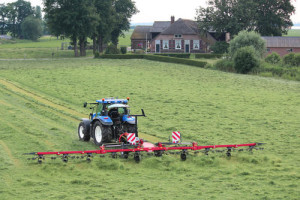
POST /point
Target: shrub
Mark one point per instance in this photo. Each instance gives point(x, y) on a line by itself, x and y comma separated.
point(177, 55)
point(273, 58)
point(245, 60)
point(244, 39)
point(96, 54)
point(220, 47)
point(225, 65)
point(208, 55)
point(112, 49)
point(292, 59)
point(123, 50)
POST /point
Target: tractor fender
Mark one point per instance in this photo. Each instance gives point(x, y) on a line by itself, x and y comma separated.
point(129, 119)
point(105, 120)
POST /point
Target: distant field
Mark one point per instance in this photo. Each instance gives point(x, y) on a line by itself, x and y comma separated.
point(293, 33)
point(45, 47)
point(41, 101)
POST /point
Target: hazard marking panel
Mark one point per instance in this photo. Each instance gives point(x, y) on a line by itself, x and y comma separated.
point(175, 137)
point(131, 138)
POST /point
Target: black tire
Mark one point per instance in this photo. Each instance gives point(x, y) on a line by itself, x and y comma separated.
point(101, 133)
point(83, 132)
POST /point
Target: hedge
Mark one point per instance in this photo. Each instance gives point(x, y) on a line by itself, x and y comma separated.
point(122, 56)
point(175, 60)
point(177, 55)
point(208, 55)
point(155, 58)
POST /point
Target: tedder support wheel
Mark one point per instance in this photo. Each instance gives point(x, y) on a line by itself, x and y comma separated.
point(100, 133)
point(83, 132)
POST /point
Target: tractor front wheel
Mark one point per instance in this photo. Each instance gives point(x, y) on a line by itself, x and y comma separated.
point(100, 133)
point(83, 132)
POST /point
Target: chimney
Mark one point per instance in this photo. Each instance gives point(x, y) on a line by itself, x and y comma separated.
point(172, 19)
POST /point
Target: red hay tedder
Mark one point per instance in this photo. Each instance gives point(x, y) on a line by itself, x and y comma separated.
point(112, 121)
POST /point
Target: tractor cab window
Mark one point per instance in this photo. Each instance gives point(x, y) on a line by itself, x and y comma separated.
point(99, 109)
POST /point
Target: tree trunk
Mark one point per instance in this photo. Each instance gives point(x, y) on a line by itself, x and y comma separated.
point(100, 44)
point(75, 47)
point(82, 46)
point(94, 45)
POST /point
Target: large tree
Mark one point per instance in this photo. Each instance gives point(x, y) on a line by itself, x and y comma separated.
point(16, 14)
point(268, 17)
point(114, 19)
point(3, 19)
point(76, 19)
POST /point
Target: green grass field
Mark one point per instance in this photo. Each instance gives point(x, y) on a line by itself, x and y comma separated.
point(41, 102)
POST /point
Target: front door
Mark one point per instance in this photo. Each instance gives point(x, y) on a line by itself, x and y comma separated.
point(157, 47)
point(187, 48)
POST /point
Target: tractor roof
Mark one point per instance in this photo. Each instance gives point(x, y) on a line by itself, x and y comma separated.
point(112, 101)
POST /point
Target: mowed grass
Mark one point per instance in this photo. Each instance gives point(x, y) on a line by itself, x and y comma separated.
point(41, 102)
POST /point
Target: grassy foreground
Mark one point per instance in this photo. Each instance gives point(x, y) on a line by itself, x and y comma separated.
point(41, 101)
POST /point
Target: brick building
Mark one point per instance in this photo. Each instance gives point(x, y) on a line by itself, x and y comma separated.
point(282, 45)
point(181, 36)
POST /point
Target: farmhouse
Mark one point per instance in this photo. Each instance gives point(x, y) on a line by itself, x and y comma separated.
point(181, 36)
point(282, 45)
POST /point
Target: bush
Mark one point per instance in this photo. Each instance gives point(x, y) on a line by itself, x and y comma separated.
point(292, 59)
point(273, 58)
point(208, 55)
point(245, 60)
point(225, 65)
point(123, 50)
point(32, 28)
point(96, 54)
point(244, 39)
point(177, 55)
point(220, 47)
point(112, 49)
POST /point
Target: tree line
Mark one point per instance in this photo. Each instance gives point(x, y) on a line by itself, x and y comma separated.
point(267, 17)
point(101, 20)
point(21, 20)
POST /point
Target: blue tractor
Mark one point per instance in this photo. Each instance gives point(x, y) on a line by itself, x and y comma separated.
point(107, 122)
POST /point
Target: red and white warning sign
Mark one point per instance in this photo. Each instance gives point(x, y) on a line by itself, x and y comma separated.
point(175, 137)
point(131, 138)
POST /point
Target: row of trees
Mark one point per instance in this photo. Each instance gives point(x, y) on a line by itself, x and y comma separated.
point(267, 17)
point(21, 20)
point(101, 20)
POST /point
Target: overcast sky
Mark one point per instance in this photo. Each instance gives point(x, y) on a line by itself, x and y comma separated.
point(161, 10)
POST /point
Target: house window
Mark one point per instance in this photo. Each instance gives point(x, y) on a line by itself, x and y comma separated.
point(165, 44)
point(289, 50)
point(268, 50)
point(177, 35)
point(196, 44)
point(177, 44)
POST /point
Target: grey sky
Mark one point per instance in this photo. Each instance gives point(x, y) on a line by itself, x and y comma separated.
point(161, 10)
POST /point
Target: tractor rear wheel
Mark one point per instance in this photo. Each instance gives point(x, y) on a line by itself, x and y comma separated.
point(101, 133)
point(83, 132)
